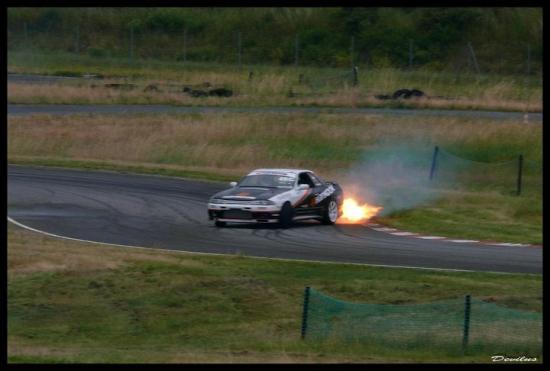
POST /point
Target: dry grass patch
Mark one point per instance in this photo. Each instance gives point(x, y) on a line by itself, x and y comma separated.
point(273, 90)
point(235, 142)
point(30, 252)
point(354, 98)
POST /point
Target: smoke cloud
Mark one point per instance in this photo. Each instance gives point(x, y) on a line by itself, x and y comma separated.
point(395, 177)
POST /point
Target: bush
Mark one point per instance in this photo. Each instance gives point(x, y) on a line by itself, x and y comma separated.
point(164, 20)
point(98, 52)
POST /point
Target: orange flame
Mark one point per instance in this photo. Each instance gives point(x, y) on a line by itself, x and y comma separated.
point(352, 212)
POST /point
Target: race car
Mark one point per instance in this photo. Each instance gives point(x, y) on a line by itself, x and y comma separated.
point(277, 196)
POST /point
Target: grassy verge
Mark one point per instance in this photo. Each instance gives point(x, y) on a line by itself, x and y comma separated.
point(269, 86)
point(474, 200)
point(487, 215)
point(78, 302)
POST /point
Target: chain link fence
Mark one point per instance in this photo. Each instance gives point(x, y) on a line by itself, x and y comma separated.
point(464, 325)
point(517, 176)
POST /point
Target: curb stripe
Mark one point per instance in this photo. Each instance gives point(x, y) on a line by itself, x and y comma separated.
point(508, 244)
point(396, 232)
point(404, 234)
point(384, 229)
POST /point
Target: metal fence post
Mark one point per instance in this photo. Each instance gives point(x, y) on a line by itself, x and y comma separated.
point(131, 42)
point(352, 50)
point(26, 33)
point(520, 171)
point(305, 312)
point(528, 60)
point(410, 54)
point(77, 39)
point(466, 332)
point(434, 162)
point(239, 48)
point(297, 48)
point(473, 54)
point(184, 45)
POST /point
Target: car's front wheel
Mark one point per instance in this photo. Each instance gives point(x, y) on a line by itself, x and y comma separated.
point(330, 213)
point(285, 218)
point(220, 224)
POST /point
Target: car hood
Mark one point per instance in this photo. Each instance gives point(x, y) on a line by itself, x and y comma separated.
point(250, 193)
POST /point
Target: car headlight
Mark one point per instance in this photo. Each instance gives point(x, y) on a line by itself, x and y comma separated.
point(217, 201)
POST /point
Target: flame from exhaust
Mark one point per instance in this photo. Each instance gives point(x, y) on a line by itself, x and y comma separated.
point(352, 212)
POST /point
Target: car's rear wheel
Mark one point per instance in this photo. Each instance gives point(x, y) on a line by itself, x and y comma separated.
point(220, 224)
point(285, 219)
point(330, 213)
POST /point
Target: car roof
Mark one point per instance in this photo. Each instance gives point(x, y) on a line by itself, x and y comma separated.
point(279, 171)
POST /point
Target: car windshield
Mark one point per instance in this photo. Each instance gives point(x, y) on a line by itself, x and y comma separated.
point(268, 180)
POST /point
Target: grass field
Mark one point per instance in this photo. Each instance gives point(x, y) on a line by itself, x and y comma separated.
point(78, 302)
point(471, 199)
point(269, 86)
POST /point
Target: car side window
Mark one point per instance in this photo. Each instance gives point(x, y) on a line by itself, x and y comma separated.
point(304, 178)
point(316, 180)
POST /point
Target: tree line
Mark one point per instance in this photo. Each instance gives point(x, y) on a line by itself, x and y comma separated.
point(503, 38)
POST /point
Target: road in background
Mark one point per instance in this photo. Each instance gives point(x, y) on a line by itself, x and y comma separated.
point(71, 109)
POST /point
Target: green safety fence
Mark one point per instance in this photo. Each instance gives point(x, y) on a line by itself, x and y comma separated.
point(517, 176)
point(464, 325)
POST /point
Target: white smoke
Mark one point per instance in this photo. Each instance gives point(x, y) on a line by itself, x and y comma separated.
point(396, 178)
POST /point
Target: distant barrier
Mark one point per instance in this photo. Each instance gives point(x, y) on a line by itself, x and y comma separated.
point(465, 325)
point(516, 176)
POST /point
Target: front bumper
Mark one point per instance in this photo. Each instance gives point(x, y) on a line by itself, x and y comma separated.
point(240, 213)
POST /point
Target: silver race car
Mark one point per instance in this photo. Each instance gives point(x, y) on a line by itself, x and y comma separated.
point(277, 196)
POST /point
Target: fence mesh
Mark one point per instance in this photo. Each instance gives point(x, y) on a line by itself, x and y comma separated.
point(455, 172)
point(438, 325)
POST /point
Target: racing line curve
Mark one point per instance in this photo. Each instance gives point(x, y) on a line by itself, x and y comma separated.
point(170, 213)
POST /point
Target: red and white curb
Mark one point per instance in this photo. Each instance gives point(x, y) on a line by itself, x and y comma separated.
point(396, 232)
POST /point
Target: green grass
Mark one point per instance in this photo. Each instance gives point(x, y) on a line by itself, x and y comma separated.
point(78, 302)
point(475, 215)
point(270, 85)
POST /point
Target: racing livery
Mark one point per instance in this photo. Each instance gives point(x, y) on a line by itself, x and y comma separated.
point(277, 196)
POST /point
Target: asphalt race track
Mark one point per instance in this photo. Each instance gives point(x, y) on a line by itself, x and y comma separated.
point(170, 213)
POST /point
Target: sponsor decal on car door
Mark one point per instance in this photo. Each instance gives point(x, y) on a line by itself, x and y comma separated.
point(309, 204)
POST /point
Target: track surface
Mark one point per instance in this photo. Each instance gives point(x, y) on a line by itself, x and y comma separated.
point(170, 213)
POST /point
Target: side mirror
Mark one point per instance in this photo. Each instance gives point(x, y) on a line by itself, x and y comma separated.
point(303, 187)
point(233, 184)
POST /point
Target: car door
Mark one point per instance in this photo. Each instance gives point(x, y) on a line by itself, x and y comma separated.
point(308, 205)
point(323, 192)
